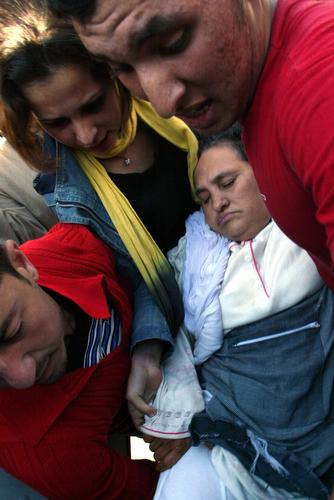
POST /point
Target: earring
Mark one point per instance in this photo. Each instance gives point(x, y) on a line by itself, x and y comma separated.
point(263, 196)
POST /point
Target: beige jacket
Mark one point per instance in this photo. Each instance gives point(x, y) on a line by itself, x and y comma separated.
point(23, 213)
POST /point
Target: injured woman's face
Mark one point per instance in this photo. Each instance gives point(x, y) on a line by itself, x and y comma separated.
point(230, 197)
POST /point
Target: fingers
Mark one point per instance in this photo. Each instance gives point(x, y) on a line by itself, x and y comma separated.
point(138, 393)
point(169, 459)
point(137, 413)
point(136, 416)
point(140, 405)
point(144, 379)
point(148, 439)
point(167, 451)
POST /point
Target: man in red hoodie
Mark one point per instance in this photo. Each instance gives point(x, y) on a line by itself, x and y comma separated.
point(64, 331)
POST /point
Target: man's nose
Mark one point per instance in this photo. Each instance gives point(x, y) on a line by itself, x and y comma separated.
point(18, 371)
point(161, 88)
point(85, 133)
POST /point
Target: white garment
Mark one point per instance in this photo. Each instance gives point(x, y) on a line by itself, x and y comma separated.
point(206, 257)
point(192, 478)
point(264, 276)
point(179, 395)
point(242, 484)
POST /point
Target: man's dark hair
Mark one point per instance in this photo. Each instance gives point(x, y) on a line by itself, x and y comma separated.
point(79, 9)
point(231, 137)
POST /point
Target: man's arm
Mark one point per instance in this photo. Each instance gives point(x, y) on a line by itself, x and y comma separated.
point(306, 120)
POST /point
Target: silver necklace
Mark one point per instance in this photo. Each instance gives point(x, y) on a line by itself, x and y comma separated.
point(126, 160)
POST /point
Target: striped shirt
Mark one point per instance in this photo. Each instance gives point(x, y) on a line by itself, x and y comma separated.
point(103, 336)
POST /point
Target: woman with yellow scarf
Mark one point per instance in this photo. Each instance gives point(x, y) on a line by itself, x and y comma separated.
point(106, 160)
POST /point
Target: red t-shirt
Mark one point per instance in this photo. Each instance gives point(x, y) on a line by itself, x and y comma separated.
point(289, 130)
point(54, 437)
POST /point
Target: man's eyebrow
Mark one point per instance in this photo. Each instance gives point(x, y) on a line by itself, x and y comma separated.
point(155, 25)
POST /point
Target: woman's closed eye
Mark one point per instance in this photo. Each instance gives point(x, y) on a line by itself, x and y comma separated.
point(204, 198)
point(60, 122)
point(227, 183)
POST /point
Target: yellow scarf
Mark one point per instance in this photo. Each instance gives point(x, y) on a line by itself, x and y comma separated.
point(150, 261)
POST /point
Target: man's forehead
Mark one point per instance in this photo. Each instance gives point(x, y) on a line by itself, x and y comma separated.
point(118, 26)
point(110, 14)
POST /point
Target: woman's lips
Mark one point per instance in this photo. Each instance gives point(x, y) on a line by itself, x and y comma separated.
point(223, 219)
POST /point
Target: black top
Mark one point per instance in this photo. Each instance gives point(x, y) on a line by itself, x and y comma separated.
point(161, 195)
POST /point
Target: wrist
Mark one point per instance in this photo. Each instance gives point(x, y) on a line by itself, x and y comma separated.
point(148, 351)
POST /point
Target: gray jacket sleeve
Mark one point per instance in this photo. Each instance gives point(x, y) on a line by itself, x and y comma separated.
point(23, 213)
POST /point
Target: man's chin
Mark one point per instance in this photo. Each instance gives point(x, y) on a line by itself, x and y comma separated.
point(54, 375)
point(54, 378)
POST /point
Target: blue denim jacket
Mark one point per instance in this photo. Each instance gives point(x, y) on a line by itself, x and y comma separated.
point(70, 195)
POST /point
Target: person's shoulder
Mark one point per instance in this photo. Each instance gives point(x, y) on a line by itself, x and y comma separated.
point(280, 240)
point(276, 232)
point(68, 239)
point(300, 28)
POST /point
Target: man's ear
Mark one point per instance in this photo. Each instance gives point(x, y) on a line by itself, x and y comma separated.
point(20, 261)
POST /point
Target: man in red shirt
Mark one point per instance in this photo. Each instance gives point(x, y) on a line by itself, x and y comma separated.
point(65, 324)
point(267, 63)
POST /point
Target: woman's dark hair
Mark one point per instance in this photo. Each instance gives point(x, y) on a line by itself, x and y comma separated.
point(33, 48)
point(231, 137)
point(79, 9)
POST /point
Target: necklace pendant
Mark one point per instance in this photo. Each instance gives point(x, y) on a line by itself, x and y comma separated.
point(127, 162)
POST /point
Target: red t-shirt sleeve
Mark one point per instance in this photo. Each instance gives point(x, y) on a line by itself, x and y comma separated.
point(307, 123)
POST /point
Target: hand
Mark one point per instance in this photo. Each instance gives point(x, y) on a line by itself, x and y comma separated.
point(167, 451)
point(144, 379)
